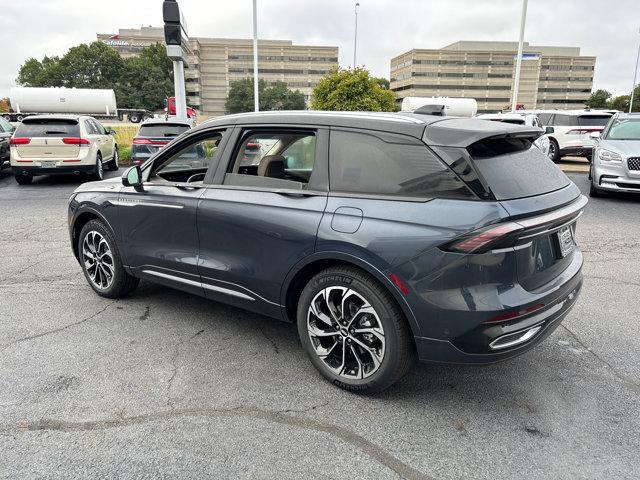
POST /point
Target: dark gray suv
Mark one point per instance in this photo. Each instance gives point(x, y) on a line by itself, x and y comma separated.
point(385, 237)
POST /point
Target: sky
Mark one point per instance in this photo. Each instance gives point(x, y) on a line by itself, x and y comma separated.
point(607, 29)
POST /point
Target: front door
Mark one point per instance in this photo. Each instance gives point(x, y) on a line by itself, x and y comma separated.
point(158, 221)
point(262, 217)
point(107, 141)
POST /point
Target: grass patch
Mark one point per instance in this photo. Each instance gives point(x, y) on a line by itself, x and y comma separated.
point(124, 137)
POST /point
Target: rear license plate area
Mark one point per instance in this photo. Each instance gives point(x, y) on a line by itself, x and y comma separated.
point(565, 240)
point(48, 164)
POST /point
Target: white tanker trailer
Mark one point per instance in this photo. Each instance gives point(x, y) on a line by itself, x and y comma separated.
point(100, 103)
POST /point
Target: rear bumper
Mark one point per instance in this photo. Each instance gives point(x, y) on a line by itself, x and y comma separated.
point(61, 170)
point(474, 349)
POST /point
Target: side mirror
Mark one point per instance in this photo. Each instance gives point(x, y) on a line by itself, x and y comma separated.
point(132, 177)
point(548, 130)
point(595, 135)
point(110, 131)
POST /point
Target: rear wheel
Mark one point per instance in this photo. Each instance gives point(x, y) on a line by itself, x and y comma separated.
point(98, 172)
point(134, 118)
point(353, 331)
point(113, 164)
point(24, 179)
point(554, 151)
point(101, 262)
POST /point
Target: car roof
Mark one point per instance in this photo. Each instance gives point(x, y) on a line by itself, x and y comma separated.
point(167, 121)
point(628, 115)
point(55, 117)
point(503, 116)
point(435, 130)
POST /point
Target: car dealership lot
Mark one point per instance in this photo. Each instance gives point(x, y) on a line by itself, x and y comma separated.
point(168, 384)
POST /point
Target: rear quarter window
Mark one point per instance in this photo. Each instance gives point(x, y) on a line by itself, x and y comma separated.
point(389, 165)
point(593, 120)
point(48, 128)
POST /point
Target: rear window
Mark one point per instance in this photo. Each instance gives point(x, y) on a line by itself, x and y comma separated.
point(593, 120)
point(514, 168)
point(48, 128)
point(389, 165)
point(162, 130)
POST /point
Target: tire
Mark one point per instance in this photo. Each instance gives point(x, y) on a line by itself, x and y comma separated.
point(98, 173)
point(113, 164)
point(554, 151)
point(358, 372)
point(593, 191)
point(7, 117)
point(134, 118)
point(121, 283)
point(19, 118)
point(24, 179)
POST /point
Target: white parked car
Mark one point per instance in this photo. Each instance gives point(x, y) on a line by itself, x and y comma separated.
point(616, 159)
point(528, 119)
point(572, 130)
point(57, 144)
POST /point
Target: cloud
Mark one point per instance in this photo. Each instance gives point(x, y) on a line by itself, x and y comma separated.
point(33, 28)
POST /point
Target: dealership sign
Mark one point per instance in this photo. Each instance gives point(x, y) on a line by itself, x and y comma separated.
point(116, 41)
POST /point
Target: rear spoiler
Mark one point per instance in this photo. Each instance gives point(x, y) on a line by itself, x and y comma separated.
point(463, 132)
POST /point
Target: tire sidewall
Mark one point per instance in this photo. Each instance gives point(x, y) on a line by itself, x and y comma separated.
point(99, 166)
point(385, 314)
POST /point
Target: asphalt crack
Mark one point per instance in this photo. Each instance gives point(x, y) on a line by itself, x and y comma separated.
point(55, 330)
point(274, 345)
point(623, 378)
point(344, 434)
point(174, 367)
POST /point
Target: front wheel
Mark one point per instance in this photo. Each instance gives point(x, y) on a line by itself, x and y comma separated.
point(24, 179)
point(353, 331)
point(101, 262)
point(98, 172)
point(593, 191)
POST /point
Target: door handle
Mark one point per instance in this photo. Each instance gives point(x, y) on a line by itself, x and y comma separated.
point(182, 186)
point(294, 193)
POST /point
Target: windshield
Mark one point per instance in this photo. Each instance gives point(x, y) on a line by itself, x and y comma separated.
point(162, 130)
point(593, 120)
point(624, 129)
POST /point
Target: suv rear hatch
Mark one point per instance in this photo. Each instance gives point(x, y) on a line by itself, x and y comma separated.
point(501, 164)
point(47, 138)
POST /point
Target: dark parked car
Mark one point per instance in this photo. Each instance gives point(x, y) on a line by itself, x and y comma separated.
point(153, 135)
point(6, 130)
point(385, 237)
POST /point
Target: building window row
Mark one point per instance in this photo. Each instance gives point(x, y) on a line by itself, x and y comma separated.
point(457, 75)
point(463, 62)
point(284, 71)
point(283, 58)
point(453, 87)
point(565, 90)
point(567, 79)
point(559, 68)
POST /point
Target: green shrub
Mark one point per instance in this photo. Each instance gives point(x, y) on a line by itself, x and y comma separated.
point(124, 154)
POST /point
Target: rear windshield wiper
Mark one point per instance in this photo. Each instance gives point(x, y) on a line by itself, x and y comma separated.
point(55, 132)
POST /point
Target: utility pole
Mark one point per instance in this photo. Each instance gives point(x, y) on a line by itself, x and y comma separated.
point(355, 36)
point(256, 100)
point(633, 87)
point(516, 86)
point(176, 38)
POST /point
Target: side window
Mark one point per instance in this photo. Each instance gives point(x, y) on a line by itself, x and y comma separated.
point(273, 159)
point(90, 127)
point(562, 120)
point(98, 126)
point(544, 118)
point(190, 163)
point(389, 165)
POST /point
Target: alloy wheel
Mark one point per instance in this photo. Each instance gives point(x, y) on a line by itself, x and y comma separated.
point(98, 260)
point(346, 332)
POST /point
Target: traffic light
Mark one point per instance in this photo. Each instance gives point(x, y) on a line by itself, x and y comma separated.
point(175, 27)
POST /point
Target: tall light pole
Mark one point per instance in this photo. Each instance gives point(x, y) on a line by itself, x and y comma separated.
point(516, 86)
point(355, 35)
point(256, 100)
point(633, 87)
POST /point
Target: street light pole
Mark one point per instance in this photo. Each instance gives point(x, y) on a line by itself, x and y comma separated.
point(633, 87)
point(355, 36)
point(256, 100)
point(516, 86)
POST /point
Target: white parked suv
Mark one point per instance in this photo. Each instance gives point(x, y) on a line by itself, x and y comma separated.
point(528, 119)
point(572, 130)
point(55, 144)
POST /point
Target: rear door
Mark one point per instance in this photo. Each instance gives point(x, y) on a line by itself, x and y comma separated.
point(261, 217)
point(46, 141)
point(107, 141)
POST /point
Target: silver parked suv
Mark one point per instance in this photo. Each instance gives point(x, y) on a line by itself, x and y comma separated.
point(616, 156)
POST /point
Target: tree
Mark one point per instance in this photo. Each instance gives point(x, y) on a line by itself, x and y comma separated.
point(4, 104)
point(276, 97)
point(353, 90)
point(621, 103)
point(383, 82)
point(598, 99)
point(143, 81)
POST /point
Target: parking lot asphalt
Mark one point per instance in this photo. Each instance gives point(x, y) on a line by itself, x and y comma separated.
point(167, 385)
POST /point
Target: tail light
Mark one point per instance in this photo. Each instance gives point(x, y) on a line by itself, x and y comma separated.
point(19, 141)
point(503, 317)
point(75, 141)
point(579, 131)
point(480, 241)
point(146, 141)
